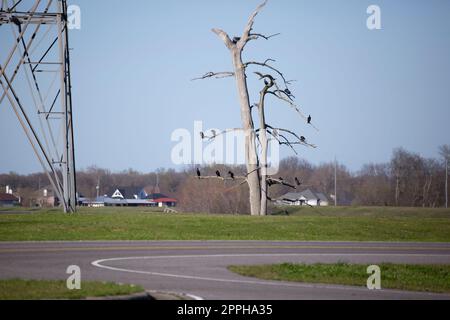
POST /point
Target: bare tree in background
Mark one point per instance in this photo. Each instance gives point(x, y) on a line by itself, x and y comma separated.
point(276, 85)
point(444, 151)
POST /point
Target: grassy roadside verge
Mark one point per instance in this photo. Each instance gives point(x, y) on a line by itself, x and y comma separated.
point(17, 289)
point(345, 224)
point(430, 278)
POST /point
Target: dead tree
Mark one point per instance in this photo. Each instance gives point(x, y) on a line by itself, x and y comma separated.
point(256, 162)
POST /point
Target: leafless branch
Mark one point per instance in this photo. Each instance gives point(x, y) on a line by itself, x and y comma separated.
point(312, 125)
point(282, 182)
point(214, 134)
point(217, 75)
point(248, 173)
point(248, 29)
point(265, 76)
point(224, 36)
point(266, 65)
point(284, 130)
point(304, 143)
point(292, 104)
point(286, 141)
point(255, 36)
point(289, 96)
point(222, 178)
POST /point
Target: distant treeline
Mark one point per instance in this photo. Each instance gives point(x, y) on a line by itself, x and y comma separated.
point(407, 180)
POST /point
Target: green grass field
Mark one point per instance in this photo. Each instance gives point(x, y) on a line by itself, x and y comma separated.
point(17, 289)
point(431, 278)
point(326, 224)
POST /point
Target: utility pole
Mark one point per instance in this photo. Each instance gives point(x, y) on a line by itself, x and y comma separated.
point(40, 45)
point(98, 186)
point(446, 183)
point(335, 182)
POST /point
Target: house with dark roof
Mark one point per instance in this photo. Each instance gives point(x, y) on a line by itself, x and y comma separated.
point(306, 197)
point(8, 200)
point(132, 197)
point(125, 193)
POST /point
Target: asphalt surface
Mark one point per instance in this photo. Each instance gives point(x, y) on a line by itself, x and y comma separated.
point(198, 268)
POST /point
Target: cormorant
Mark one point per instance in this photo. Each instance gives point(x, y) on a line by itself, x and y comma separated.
point(17, 22)
point(302, 139)
point(297, 181)
point(231, 174)
point(236, 40)
point(266, 82)
point(288, 92)
point(198, 173)
point(218, 173)
point(202, 135)
point(309, 120)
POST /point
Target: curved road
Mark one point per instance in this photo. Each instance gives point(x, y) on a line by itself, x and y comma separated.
point(198, 268)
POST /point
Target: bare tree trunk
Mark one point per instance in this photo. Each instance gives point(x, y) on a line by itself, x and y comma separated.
point(264, 146)
point(251, 157)
point(257, 182)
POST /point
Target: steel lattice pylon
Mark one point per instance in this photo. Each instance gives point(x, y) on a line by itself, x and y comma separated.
point(35, 82)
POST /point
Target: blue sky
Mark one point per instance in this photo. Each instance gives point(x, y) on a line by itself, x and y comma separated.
point(368, 91)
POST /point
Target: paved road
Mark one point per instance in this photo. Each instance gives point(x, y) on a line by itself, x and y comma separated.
point(199, 267)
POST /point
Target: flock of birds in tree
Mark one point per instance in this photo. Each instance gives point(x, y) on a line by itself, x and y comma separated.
point(214, 133)
point(270, 181)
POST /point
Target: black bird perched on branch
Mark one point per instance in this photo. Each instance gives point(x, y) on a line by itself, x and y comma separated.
point(236, 40)
point(198, 173)
point(202, 135)
point(297, 181)
point(218, 173)
point(309, 119)
point(17, 22)
point(266, 82)
point(302, 139)
point(231, 174)
point(289, 93)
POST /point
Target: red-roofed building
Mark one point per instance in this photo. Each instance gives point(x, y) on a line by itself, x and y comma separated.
point(162, 200)
point(8, 200)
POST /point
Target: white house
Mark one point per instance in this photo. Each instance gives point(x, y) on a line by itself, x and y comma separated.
point(306, 197)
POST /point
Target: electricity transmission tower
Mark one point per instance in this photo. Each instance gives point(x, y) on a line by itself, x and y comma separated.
point(35, 82)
